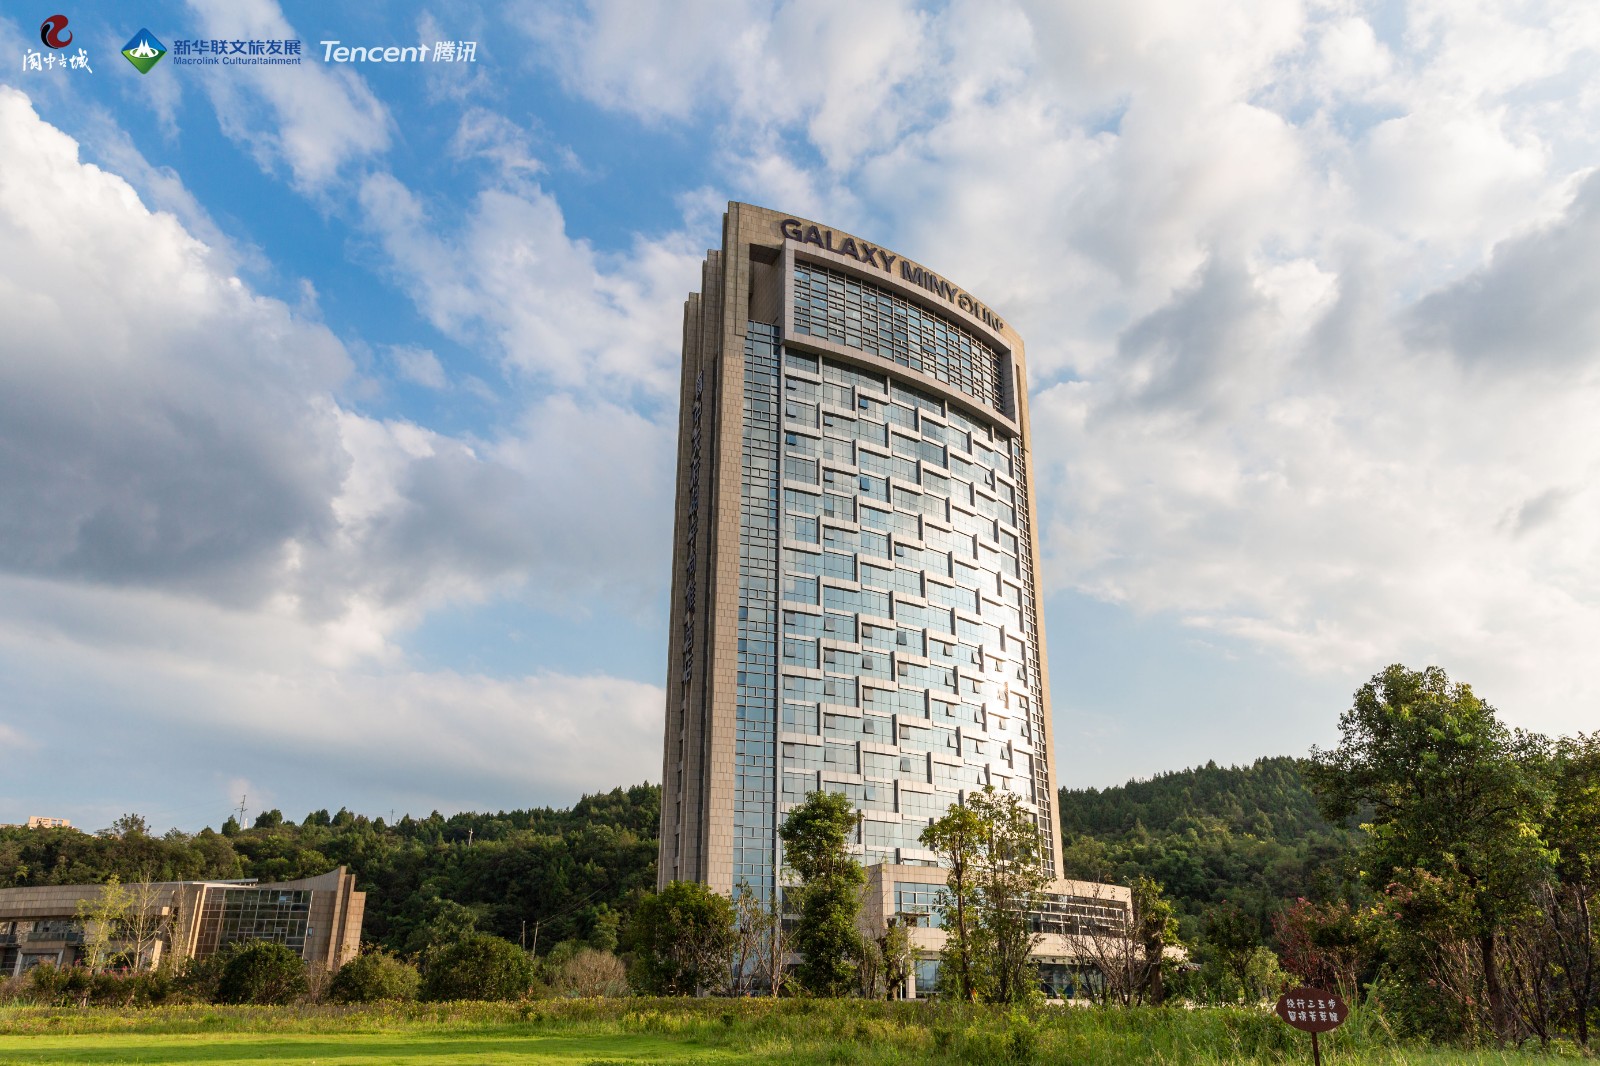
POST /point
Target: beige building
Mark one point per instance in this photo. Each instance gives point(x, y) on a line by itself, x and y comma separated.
point(1079, 924)
point(318, 917)
point(39, 822)
point(856, 603)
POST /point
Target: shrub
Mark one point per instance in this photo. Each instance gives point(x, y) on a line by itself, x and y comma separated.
point(111, 989)
point(151, 988)
point(682, 938)
point(551, 962)
point(45, 983)
point(261, 972)
point(592, 973)
point(478, 966)
point(49, 984)
point(373, 976)
point(197, 979)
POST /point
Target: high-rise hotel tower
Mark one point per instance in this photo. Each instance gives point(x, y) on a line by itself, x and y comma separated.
point(856, 591)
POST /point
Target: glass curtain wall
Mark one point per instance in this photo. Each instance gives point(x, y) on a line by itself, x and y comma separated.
point(755, 842)
point(230, 915)
point(907, 673)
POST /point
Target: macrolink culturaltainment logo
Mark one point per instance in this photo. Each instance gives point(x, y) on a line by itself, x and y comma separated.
point(144, 50)
point(54, 33)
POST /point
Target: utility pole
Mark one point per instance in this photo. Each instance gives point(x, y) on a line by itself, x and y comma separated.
point(242, 798)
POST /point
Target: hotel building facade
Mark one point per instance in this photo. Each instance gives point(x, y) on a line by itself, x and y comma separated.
point(856, 602)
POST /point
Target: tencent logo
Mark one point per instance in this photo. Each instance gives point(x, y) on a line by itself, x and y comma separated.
point(144, 50)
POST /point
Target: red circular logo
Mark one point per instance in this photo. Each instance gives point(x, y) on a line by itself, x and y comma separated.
point(54, 33)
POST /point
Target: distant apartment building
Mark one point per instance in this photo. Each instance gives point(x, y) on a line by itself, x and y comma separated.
point(39, 822)
point(317, 917)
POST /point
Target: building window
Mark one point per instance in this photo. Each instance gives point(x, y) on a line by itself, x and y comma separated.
point(917, 904)
point(879, 322)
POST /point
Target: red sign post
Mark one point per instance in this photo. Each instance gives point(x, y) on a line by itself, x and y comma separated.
point(1313, 1011)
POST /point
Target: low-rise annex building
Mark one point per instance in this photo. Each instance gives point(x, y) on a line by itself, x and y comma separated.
point(317, 917)
point(1078, 924)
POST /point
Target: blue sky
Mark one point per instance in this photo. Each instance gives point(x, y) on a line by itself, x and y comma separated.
point(337, 401)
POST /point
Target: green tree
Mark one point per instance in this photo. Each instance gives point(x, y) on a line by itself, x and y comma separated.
point(1011, 873)
point(957, 837)
point(1264, 978)
point(895, 948)
point(604, 924)
point(1456, 808)
point(261, 972)
point(1570, 899)
point(103, 916)
point(373, 976)
point(682, 938)
point(870, 970)
point(1324, 945)
point(996, 871)
point(478, 966)
point(447, 923)
point(1232, 937)
point(1154, 929)
point(129, 825)
point(1085, 857)
point(815, 837)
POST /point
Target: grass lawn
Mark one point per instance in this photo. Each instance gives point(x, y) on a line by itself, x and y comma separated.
point(600, 1033)
point(491, 1047)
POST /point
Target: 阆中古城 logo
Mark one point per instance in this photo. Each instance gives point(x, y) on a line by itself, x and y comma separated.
point(144, 50)
point(54, 33)
point(55, 37)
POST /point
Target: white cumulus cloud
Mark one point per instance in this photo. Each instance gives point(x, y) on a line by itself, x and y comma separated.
point(197, 536)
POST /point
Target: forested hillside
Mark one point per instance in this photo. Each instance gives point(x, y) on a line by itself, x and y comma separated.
point(1472, 920)
point(569, 874)
point(1250, 835)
